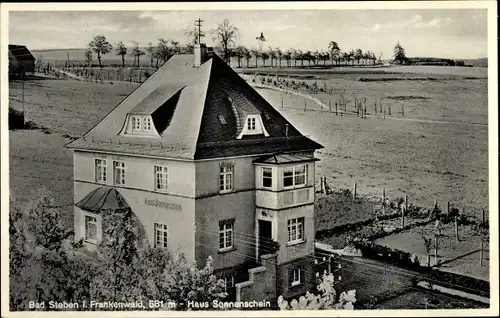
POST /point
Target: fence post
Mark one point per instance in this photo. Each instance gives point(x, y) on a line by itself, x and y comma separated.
point(482, 219)
point(448, 207)
point(402, 217)
point(406, 202)
point(383, 200)
point(389, 110)
point(436, 260)
point(456, 228)
point(481, 253)
point(305, 105)
point(354, 192)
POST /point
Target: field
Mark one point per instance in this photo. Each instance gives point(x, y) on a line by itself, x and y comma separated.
point(65, 108)
point(433, 153)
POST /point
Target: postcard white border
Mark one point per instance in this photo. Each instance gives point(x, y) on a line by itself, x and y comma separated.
point(492, 125)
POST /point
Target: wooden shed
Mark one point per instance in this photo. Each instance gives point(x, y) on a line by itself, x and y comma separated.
point(20, 60)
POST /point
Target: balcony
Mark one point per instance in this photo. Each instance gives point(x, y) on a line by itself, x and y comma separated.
point(284, 199)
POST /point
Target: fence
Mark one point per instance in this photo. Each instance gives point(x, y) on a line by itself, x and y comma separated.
point(330, 99)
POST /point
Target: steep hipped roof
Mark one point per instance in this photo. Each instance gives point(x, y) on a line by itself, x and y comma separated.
point(189, 101)
point(20, 52)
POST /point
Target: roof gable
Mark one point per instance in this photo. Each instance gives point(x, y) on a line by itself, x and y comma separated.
point(20, 52)
point(199, 112)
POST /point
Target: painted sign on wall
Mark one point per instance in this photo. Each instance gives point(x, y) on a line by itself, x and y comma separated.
point(162, 204)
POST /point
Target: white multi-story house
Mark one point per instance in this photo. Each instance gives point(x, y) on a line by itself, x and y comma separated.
point(209, 168)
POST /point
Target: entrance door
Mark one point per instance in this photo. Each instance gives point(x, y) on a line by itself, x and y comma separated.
point(265, 238)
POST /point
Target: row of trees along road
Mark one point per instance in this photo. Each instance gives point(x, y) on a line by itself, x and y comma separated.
point(226, 35)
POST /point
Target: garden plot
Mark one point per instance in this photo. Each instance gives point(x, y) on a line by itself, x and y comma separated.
point(462, 257)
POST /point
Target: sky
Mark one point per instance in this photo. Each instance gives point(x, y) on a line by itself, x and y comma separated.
point(446, 33)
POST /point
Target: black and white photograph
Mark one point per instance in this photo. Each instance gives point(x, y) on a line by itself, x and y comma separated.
point(245, 159)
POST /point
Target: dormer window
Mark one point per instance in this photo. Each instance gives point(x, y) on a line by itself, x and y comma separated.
point(140, 125)
point(251, 123)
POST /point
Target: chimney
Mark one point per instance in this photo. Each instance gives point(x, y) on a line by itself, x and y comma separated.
point(200, 54)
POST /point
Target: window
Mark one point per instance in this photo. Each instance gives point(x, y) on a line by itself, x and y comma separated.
point(100, 170)
point(267, 177)
point(296, 277)
point(161, 177)
point(226, 178)
point(147, 123)
point(160, 239)
point(228, 282)
point(141, 124)
point(136, 123)
point(295, 230)
point(251, 123)
point(222, 120)
point(90, 228)
point(226, 240)
point(294, 176)
point(119, 172)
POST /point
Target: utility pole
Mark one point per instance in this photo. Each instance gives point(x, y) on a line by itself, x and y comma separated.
point(261, 39)
point(22, 95)
point(198, 34)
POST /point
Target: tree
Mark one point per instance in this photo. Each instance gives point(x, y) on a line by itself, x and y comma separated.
point(88, 57)
point(46, 264)
point(225, 35)
point(121, 50)
point(334, 50)
point(308, 57)
point(137, 53)
point(239, 53)
point(100, 46)
point(247, 55)
point(256, 54)
point(428, 247)
point(358, 55)
point(287, 56)
point(317, 57)
point(150, 51)
point(279, 55)
point(166, 49)
point(293, 56)
point(326, 299)
point(399, 54)
point(352, 56)
point(272, 55)
point(265, 57)
point(299, 55)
